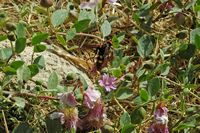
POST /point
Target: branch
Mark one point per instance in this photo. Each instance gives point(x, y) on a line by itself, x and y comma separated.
point(30, 95)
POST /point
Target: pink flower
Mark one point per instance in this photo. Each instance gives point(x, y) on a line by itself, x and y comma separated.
point(108, 82)
point(68, 99)
point(71, 118)
point(89, 5)
point(160, 120)
point(161, 115)
point(94, 118)
point(90, 97)
point(158, 128)
point(114, 2)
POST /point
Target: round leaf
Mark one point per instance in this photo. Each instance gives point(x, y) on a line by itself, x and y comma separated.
point(70, 34)
point(52, 81)
point(59, 16)
point(39, 37)
point(125, 119)
point(23, 73)
point(106, 28)
point(20, 45)
point(34, 69)
point(40, 61)
point(145, 46)
point(144, 95)
point(5, 53)
point(39, 48)
point(82, 25)
point(123, 93)
point(138, 115)
point(154, 86)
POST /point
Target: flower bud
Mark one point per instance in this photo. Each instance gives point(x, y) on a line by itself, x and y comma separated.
point(11, 37)
point(68, 99)
point(46, 3)
point(179, 19)
point(10, 26)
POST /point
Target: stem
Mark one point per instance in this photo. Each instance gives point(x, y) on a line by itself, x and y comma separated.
point(32, 56)
point(12, 46)
point(13, 52)
point(179, 86)
point(170, 81)
point(84, 34)
point(119, 104)
point(5, 123)
point(194, 95)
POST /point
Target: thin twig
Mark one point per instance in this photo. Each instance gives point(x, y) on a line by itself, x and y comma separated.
point(5, 123)
point(84, 34)
point(194, 95)
point(179, 86)
point(119, 104)
point(170, 81)
point(29, 95)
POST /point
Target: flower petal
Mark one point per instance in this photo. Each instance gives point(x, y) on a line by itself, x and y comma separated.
point(68, 99)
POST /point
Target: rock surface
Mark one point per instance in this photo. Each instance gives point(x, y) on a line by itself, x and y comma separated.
point(52, 63)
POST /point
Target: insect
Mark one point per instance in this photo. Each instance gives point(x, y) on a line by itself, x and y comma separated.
point(104, 55)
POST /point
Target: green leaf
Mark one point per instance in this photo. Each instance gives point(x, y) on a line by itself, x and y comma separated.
point(20, 102)
point(52, 81)
point(144, 95)
point(39, 48)
point(71, 33)
point(197, 41)
point(107, 129)
point(9, 70)
point(34, 69)
point(59, 16)
point(154, 86)
point(3, 37)
point(85, 14)
point(21, 30)
point(138, 115)
point(23, 73)
point(145, 46)
point(116, 72)
point(39, 37)
point(182, 126)
point(20, 45)
point(53, 125)
point(40, 61)
point(125, 119)
point(61, 39)
point(123, 93)
point(187, 51)
point(130, 128)
point(23, 128)
point(82, 25)
point(5, 53)
point(16, 64)
point(106, 28)
point(193, 34)
point(115, 42)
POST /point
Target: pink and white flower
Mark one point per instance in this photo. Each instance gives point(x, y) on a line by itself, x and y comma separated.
point(108, 82)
